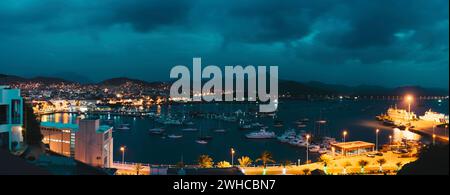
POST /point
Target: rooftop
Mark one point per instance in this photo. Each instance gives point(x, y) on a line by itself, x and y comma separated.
point(72, 127)
point(353, 145)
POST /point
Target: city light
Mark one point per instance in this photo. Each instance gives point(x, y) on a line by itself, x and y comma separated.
point(344, 134)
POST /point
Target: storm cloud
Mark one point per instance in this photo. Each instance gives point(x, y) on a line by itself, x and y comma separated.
point(383, 42)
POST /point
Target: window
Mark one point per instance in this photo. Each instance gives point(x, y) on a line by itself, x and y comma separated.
point(4, 140)
point(15, 111)
point(3, 114)
point(106, 136)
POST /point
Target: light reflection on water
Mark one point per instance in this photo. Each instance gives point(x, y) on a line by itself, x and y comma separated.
point(399, 135)
point(358, 117)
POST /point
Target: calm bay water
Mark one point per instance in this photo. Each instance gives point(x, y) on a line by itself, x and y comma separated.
point(357, 117)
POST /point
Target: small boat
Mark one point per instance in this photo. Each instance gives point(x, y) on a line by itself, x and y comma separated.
point(323, 151)
point(190, 123)
point(314, 148)
point(123, 127)
point(156, 130)
point(304, 120)
point(173, 136)
point(301, 126)
point(321, 121)
point(245, 127)
point(261, 134)
point(200, 141)
point(189, 129)
point(206, 137)
point(220, 130)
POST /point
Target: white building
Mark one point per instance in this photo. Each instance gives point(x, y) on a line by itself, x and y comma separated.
point(11, 118)
point(86, 141)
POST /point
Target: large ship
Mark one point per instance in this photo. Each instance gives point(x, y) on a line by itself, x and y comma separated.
point(435, 117)
point(400, 114)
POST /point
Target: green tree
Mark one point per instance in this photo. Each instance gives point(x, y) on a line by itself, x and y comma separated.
point(205, 161)
point(306, 171)
point(345, 165)
point(381, 162)
point(244, 161)
point(266, 157)
point(32, 128)
point(325, 160)
point(223, 164)
point(399, 165)
point(138, 167)
point(362, 164)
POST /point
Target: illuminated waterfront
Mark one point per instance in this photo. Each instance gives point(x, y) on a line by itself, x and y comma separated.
point(355, 116)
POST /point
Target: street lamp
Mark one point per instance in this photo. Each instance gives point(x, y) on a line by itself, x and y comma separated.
point(232, 157)
point(390, 140)
point(122, 149)
point(409, 99)
point(434, 139)
point(333, 151)
point(344, 134)
point(376, 139)
point(307, 148)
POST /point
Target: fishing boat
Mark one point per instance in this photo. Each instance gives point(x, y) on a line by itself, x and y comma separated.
point(261, 134)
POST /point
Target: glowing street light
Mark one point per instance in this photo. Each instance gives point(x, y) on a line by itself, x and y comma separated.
point(122, 149)
point(434, 139)
point(390, 140)
point(344, 134)
point(232, 157)
point(409, 99)
point(307, 148)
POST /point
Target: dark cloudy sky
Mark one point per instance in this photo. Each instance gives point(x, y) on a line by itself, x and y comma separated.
point(376, 42)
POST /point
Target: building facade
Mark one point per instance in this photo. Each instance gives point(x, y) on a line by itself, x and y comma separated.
point(86, 141)
point(11, 118)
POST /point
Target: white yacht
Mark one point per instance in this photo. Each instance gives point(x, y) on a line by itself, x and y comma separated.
point(173, 136)
point(261, 134)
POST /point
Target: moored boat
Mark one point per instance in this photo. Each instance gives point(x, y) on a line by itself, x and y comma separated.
point(261, 134)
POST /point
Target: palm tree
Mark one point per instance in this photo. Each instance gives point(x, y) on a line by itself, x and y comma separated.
point(345, 165)
point(244, 161)
point(399, 165)
point(265, 158)
point(381, 162)
point(204, 161)
point(362, 164)
point(286, 163)
point(138, 167)
point(306, 171)
point(325, 160)
point(223, 164)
